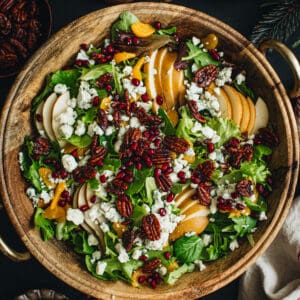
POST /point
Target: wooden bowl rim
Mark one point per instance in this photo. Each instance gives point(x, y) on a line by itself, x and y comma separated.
point(266, 238)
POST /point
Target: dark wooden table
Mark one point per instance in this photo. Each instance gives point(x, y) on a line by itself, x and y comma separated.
point(19, 277)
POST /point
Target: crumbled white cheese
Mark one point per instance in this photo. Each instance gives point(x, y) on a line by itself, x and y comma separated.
point(133, 90)
point(190, 233)
point(262, 216)
point(195, 41)
point(92, 240)
point(72, 102)
point(110, 212)
point(96, 255)
point(224, 76)
point(85, 95)
point(93, 213)
point(66, 131)
point(127, 71)
point(193, 91)
point(84, 160)
point(123, 255)
point(162, 271)
point(134, 122)
point(94, 128)
point(207, 239)
point(233, 245)
point(33, 196)
point(100, 268)
point(21, 160)
point(104, 227)
point(80, 128)
point(212, 155)
point(75, 215)
point(69, 162)
point(136, 254)
point(146, 105)
point(200, 265)
point(67, 117)
point(82, 55)
point(46, 197)
point(240, 78)
point(60, 88)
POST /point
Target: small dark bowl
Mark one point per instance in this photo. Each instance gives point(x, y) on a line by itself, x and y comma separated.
point(41, 294)
point(45, 19)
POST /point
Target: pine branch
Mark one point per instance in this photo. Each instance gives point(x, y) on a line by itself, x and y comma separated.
point(280, 22)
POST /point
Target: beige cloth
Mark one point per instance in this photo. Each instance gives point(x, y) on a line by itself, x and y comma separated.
point(276, 274)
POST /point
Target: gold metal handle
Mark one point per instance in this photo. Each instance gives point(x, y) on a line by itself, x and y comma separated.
point(10, 253)
point(291, 59)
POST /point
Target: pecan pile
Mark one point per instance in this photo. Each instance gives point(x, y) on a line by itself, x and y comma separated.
point(20, 31)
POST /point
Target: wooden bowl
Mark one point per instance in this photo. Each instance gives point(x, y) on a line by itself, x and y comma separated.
point(57, 52)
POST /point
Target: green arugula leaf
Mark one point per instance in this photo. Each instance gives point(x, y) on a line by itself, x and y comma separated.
point(168, 31)
point(93, 183)
point(139, 211)
point(89, 116)
point(139, 177)
point(80, 141)
point(111, 163)
point(150, 186)
point(168, 128)
point(173, 276)
point(44, 225)
point(245, 90)
point(259, 206)
point(200, 57)
point(126, 19)
point(131, 266)
point(64, 229)
point(96, 71)
point(80, 242)
point(188, 248)
point(117, 79)
point(177, 188)
point(185, 124)
point(110, 239)
point(260, 151)
point(255, 170)
point(244, 225)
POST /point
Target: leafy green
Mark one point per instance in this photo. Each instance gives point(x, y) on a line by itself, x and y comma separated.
point(64, 229)
point(257, 171)
point(168, 128)
point(117, 79)
point(259, 206)
point(188, 248)
point(185, 125)
point(93, 183)
point(200, 57)
point(80, 141)
point(260, 151)
point(126, 19)
point(245, 90)
point(80, 242)
point(110, 239)
point(89, 115)
point(177, 188)
point(67, 77)
point(44, 225)
point(150, 186)
point(96, 71)
point(139, 211)
point(167, 31)
point(131, 266)
point(173, 276)
point(244, 225)
point(139, 177)
point(225, 128)
point(111, 163)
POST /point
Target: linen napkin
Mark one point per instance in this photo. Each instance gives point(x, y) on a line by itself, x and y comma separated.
point(276, 274)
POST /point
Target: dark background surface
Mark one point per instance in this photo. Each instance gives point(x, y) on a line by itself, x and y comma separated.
point(16, 278)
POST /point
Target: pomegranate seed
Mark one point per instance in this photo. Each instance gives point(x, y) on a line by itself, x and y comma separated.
point(157, 142)
point(102, 60)
point(63, 174)
point(85, 63)
point(221, 200)
point(153, 284)
point(149, 163)
point(194, 197)
point(269, 180)
point(135, 41)
point(146, 134)
point(210, 147)
point(128, 172)
point(39, 117)
point(135, 81)
point(74, 153)
point(162, 211)
point(128, 41)
point(104, 51)
point(62, 202)
point(116, 96)
point(145, 98)
point(139, 166)
point(158, 280)
point(182, 180)
point(96, 100)
point(176, 37)
point(157, 172)
point(159, 100)
point(125, 187)
point(128, 179)
point(108, 88)
point(195, 180)
point(142, 279)
point(240, 206)
point(170, 197)
point(67, 68)
point(65, 194)
point(234, 195)
point(128, 163)
point(260, 188)
point(55, 174)
point(69, 199)
point(121, 106)
point(149, 279)
point(78, 63)
point(181, 174)
point(84, 47)
point(257, 141)
point(157, 25)
point(150, 152)
point(165, 166)
point(93, 199)
point(234, 142)
point(136, 159)
point(155, 275)
point(143, 258)
point(103, 178)
point(169, 171)
point(134, 146)
point(110, 49)
point(84, 207)
point(100, 163)
point(167, 255)
point(214, 54)
point(36, 157)
point(152, 138)
point(120, 175)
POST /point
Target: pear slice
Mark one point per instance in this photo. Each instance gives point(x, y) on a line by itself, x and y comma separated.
point(60, 105)
point(186, 206)
point(185, 195)
point(262, 115)
point(179, 87)
point(246, 114)
point(236, 104)
point(47, 115)
point(39, 112)
point(224, 103)
point(159, 60)
point(252, 115)
point(150, 72)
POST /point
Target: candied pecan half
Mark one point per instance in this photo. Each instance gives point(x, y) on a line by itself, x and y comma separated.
point(41, 146)
point(21, 49)
point(151, 227)
point(127, 102)
point(143, 145)
point(8, 60)
point(247, 152)
point(133, 135)
point(128, 238)
point(206, 75)
point(267, 137)
point(151, 265)
point(150, 120)
point(163, 182)
point(97, 155)
point(102, 119)
point(124, 206)
point(83, 173)
point(5, 24)
point(20, 34)
point(193, 107)
point(203, 194)
point(117, 187)
point(117, 119)
point(244, 188)
point(161, 156)
point(34, 25)
point(32, 39)
point(176, 144)
point(204, 170)
point(6, 5)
